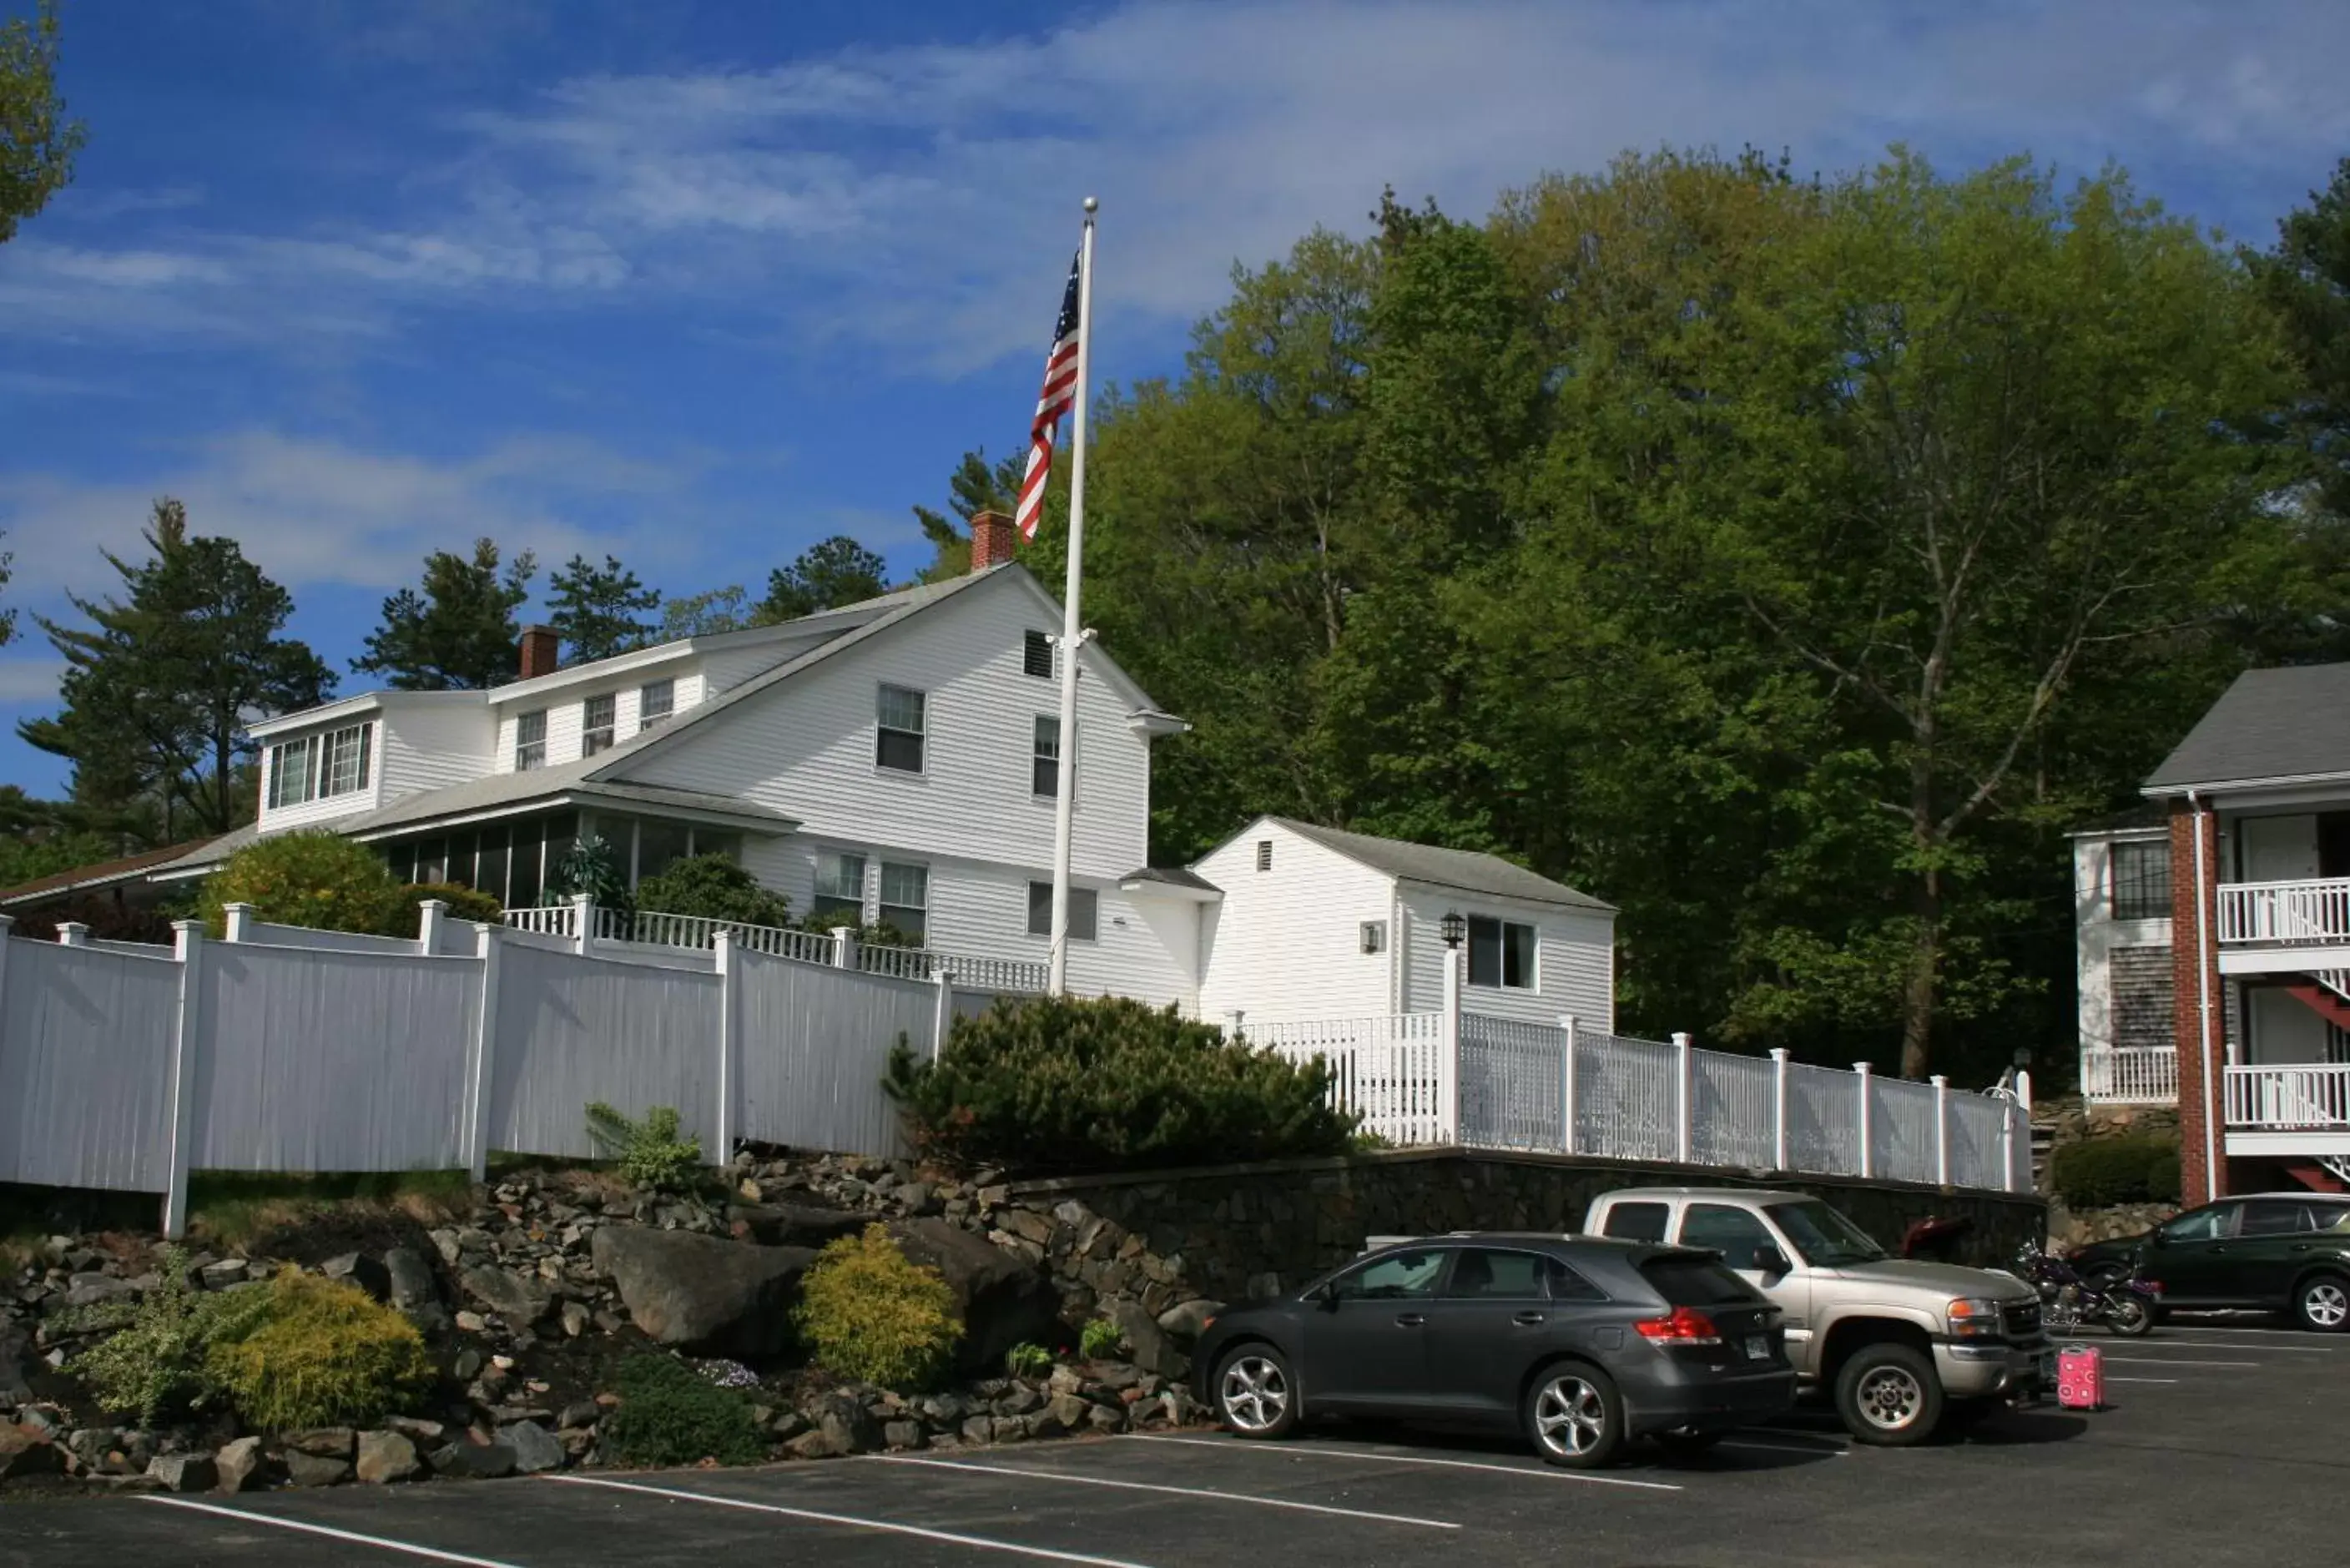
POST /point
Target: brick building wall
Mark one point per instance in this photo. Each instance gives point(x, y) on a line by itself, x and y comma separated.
point(2190, 940)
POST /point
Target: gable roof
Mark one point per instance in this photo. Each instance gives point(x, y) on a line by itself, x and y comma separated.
point(104, 872)
point(2272, 726)
point(1463, 871)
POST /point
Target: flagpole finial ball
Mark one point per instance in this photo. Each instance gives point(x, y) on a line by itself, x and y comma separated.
point(1092, 205)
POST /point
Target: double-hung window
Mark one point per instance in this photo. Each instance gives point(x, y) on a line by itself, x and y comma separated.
point(2142, 881)
point(530, 742)
point(841, 885)
point(906, 898)
point(1044, 758)
point(596, 721)
point(657, 701)
point(345, 768)
point(897, 740)
point(1501, 953)
point(1085, 911)
point(291, 780)
point(319, 766)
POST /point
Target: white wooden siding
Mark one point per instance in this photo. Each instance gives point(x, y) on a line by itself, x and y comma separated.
point(1287, 944)
point(1573, 960)
point(806, 748)
point(433, 747)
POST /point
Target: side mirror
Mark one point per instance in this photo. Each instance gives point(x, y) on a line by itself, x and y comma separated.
point(1771, 1261)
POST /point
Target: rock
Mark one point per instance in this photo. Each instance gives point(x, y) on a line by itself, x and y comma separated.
point(323, 1442)
point(580, 1413)
point(362, 1271)
point(13, 1389)
point(416, 1429)
point(25, 1450)
point(574, 1319)
point(185, 1472)
point(467, 1364)
point(520, 1301)
point(1146, 1347)
point(979, 1429)
point(463, 1460)
point(902, 1434)
point(385, 1458)
point(472, 1322)
point(308, 1469)
point(1065, 1413)
point(1003, 1299)
point(727, 1298)
point(89, 1290)
point(815, 1443)
point(1187, 1321)
point(1107, 1418)
point(410, 1280)
point(849, 1426)
point(917, 1198)
point(221, 1275)
point(239, 1465)
point(534, 1448)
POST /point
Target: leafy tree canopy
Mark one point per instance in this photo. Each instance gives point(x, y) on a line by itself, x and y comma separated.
point(37, 143)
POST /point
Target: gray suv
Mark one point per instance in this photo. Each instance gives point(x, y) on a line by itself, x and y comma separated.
point(1903, 1347)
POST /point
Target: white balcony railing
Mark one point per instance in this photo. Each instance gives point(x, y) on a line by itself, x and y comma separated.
point(2284, 912)
point(2289, 1099)
point(2129, 1075)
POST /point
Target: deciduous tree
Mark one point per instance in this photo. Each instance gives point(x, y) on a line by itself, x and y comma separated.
point(37, 143)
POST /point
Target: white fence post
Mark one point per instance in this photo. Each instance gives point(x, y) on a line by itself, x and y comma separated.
point(1860, 1076)
point(1779, 1108)
point(1942, 1129)
point(582, 909)
point(1684, 1065)
point(8, 923)
point(1566, 1087)
point(187, 1039)
point(844, 947)
point(2023, 1115)
point(74, 934)
point(1448, 1053)
point(430, 913)
point(730, 1042)
point(480, 1060)
point(943, 1019)
point(236, 922)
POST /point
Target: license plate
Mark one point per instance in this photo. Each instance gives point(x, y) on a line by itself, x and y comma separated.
point(1758, 1348)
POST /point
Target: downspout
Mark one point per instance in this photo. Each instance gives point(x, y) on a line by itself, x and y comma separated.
point(2214, 1085)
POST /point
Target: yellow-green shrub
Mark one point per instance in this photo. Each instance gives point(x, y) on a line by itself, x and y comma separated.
point(870, 1313)
point(325, 1353)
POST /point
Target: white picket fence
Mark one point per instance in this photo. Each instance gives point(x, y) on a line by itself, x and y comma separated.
point(284, 1049)
point(1464, 1078)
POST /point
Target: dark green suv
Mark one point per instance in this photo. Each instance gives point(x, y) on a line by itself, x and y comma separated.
point(2279, 1252)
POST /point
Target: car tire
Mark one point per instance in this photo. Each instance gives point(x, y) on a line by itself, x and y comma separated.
point(1888, 1395)
point(1574, 1416)
point(1255, 1392)
point(2321, 1303)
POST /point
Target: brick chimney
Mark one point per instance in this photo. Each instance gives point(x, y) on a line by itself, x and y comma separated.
point(992, 538)
point(541, 651)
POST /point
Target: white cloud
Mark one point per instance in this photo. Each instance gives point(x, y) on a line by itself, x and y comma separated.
point(30, 680)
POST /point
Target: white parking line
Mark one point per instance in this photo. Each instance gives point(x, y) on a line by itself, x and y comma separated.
point(2141, 1379)
point(2147, 1361)
point(1174, 1490)
point(1831, 1450)
point(851, 1520)
point(1324, 1450)
point(2231, 1344)
point(410, 1548)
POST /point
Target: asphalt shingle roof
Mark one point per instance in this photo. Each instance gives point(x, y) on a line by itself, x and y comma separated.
point(1468, 870)
point(2288, 723)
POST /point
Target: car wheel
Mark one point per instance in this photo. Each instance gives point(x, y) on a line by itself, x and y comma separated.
point(1255, 1394)
point(2321, 1303)
point(2132, 1316)
point(1888, 1395)
point(1576, 1416)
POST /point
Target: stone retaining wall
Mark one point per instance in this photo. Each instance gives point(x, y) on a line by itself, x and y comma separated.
point(1240, 1231)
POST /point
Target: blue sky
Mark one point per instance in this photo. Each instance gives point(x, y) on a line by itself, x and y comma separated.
point(700, 284)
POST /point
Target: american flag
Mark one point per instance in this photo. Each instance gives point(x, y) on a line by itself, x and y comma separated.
point(1060, 391)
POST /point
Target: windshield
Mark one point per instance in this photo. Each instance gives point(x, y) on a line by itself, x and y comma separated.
point(1824, 1238)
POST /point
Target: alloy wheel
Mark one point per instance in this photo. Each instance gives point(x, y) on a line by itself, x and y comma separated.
point(1890, 1398)
point(1254, 1393)
point(2326, 1304)
point(1570, 1416)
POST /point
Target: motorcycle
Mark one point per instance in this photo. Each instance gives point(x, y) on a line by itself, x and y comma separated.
point(2069, 1302)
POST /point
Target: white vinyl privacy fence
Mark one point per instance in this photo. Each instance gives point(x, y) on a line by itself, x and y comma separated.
point(1465, 1078)
point(283, 1049)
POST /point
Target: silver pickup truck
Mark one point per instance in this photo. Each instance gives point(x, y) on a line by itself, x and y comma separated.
point(1904, 1347)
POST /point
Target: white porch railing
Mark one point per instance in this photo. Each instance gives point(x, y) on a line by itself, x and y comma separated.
point(2308, 911)
point(1450, 1077)
point(2289, 1099)
point(2129, 1074)
point(546, 919)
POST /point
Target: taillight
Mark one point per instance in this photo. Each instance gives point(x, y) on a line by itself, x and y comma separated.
point(1686, 1326)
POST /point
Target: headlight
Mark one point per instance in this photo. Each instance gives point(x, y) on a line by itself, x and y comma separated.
point(1973, 1317)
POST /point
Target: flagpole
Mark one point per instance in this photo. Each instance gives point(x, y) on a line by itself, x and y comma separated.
point(1072, 622)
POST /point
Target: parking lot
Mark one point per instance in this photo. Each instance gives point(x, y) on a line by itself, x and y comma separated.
point(2222, 1441)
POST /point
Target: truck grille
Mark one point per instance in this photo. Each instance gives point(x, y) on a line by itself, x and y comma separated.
point(2022, 1321)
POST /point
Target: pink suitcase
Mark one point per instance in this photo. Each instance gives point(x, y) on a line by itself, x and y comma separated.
point(2081, 1377)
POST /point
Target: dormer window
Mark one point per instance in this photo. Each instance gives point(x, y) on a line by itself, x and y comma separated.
point(655, 701)
point(596, 721)
point(530, 742)
point(318, 767)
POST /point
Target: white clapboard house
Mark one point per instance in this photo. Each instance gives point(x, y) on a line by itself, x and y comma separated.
point(897, 760)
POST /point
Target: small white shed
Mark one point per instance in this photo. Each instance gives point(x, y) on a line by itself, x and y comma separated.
point(1318, 923)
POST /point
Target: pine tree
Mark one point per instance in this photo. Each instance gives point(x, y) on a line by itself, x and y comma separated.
point(975, 486)
point(597, 609)
point(459, 633)
point(829, 573)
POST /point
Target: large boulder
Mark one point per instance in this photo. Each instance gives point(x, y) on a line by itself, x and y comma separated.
point(1005, 1299)
point(25, 1450)
point(519, 1299)
point(702, 1292)
point(387, 1456)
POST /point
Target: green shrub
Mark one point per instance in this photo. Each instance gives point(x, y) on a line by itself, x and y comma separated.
point(589, 866)
point(156, 1366)
point(2136, 1167)
point(870, 1313)
point(715, 888)
point(670, 1415)
point(321, 1352)
point(1102, 1084)
point(322, 880)
point(880, 934)
point(1027, 1359)
point(650, 1153)
point(1101, 1340)
point(465, 904)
